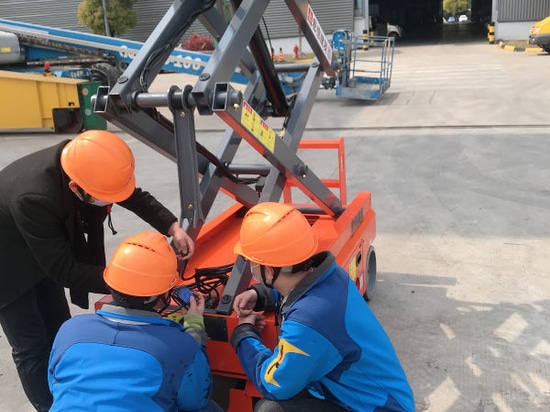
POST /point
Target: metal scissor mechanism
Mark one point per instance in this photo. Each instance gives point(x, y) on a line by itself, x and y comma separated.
point(347, 230)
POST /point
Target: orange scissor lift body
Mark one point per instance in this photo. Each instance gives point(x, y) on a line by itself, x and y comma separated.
point(345, 228)
point(349, 237)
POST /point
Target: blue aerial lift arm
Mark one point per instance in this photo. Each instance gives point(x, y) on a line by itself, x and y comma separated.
point(39, 43)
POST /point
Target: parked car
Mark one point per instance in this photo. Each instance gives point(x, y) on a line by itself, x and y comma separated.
point(451, 19)
point(462, 18)
point(540, 34)
point(395, 31)
point(391, 30)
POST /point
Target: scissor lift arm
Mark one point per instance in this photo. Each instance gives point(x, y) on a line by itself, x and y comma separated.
point(203, 174)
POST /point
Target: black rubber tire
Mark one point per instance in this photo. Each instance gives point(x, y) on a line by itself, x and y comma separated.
point(370, 274)
point(121, 66)
point(394, 35)
point(67, 120)
point(104, 73)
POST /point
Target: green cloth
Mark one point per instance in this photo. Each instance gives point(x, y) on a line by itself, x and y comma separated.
point(193, 321)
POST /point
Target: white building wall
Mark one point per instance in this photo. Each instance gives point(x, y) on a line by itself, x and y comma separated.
point(513, 31)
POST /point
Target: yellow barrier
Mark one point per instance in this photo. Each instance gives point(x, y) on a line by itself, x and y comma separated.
point(491, 33)
point(365, 39)
point(28, 101)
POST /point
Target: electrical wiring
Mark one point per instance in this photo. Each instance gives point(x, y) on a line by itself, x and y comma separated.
point(207, 282)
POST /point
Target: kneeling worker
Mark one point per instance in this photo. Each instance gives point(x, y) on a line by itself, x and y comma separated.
point(126, 357)
point(332, 354)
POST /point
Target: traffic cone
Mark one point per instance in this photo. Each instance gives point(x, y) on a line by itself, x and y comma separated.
point(281, 55)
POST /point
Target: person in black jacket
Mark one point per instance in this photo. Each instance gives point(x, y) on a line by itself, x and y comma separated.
point(53, 204)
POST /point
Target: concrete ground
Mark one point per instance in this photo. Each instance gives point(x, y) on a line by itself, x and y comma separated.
point(456, 156)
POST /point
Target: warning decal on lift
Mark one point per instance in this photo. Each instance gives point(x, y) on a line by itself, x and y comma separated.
point(352, 269)
point(319, 34)
point(255, 125)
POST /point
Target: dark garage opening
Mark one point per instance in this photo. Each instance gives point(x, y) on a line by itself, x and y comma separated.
point(426, 21)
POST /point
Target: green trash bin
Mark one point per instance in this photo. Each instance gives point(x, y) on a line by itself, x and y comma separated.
point(90, 120)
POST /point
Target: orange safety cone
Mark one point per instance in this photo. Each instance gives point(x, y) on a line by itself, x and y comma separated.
point(281, 55)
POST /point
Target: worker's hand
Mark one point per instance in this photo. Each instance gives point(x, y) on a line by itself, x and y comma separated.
point(255, 318)
point(260, 321)
point(244, 303)
point(196, 305)
point(182, 241)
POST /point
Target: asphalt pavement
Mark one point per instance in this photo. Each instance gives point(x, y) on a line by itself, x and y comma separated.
point(456, 156)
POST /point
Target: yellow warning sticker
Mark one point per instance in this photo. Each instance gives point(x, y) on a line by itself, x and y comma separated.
point(352, 269)
point(257, 127)
point(250, 119)
point(267, 136)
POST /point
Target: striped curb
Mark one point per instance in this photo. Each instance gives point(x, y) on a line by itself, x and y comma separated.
point(507, 47)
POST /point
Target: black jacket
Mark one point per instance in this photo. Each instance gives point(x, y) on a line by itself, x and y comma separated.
point(45, 231)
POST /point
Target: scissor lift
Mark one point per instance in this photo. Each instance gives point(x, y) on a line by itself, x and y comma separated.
point(348, 230)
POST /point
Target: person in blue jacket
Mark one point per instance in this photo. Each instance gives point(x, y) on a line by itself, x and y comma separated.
point(332, 353)
point(126, 357)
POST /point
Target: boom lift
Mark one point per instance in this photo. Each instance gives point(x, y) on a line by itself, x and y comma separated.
point(348, 230)
point(74, 58)
point(25, 50)
point(26, 47)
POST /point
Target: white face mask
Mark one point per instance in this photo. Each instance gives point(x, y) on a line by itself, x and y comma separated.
point(86, 198)
point(99, 203)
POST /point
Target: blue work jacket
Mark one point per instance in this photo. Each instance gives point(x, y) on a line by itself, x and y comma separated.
point(330, 343)
point(124, 360)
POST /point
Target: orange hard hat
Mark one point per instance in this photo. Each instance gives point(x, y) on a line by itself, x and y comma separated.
point(102, 164)
point(277, 235)
point(143, 265)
